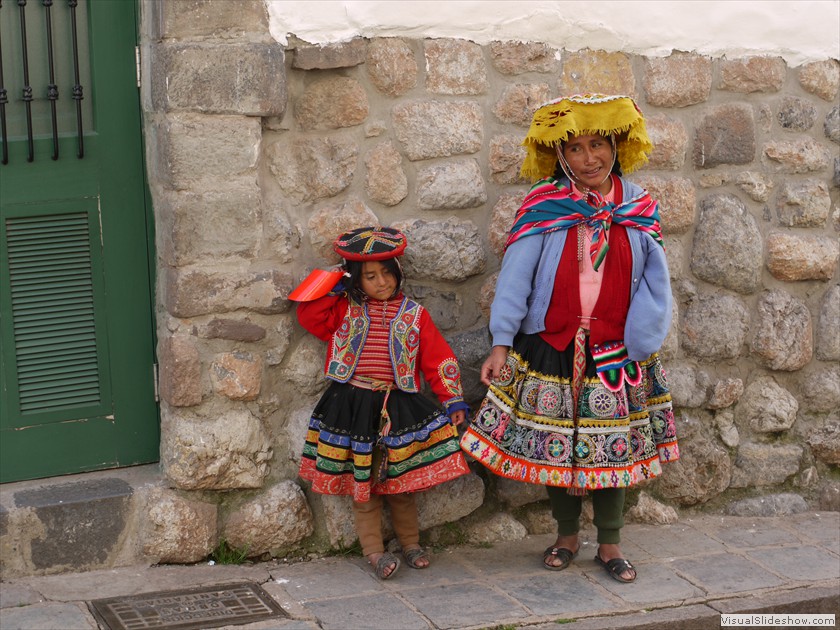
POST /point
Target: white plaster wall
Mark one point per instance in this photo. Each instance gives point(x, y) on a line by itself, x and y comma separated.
point(797, 30)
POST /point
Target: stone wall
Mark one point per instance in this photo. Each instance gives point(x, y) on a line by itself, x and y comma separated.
point(260, 154)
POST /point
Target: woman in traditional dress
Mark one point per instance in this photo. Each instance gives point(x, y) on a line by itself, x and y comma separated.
point(577, 397)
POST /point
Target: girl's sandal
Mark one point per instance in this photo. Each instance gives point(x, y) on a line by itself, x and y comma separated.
point(413, 555)
point(384, 563)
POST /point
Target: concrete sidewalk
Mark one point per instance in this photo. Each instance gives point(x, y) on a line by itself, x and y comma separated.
point(689, 573)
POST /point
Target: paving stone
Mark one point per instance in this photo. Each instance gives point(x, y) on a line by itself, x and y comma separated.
point(692, 617)
point(332, 577)
point(366, 611)
point(799, 563)
point(726, 573)
point(570, 593)
point(748, 533)
point(48, 616)
point(464, 604)
point(14, 595)
point(655, 583)
point(665, 541)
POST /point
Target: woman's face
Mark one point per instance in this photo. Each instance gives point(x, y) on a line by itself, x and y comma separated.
point(377, 281)
point(591, 159)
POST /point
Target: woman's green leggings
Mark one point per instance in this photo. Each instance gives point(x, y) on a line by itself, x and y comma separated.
point(608, 505)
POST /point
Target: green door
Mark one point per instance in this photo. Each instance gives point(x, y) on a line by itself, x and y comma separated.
point(76, 322)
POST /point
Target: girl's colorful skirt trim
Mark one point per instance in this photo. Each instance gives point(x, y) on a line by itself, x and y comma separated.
point(340, 455)
point(527, 428)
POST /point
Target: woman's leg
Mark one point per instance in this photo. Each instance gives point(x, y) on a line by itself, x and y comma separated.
point(565, 508)
point(608, 508)
point(406, 524)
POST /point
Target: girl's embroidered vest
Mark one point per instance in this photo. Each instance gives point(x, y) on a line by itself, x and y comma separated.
point(404, 340)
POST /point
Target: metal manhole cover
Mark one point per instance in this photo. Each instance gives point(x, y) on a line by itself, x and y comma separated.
point(188, 609)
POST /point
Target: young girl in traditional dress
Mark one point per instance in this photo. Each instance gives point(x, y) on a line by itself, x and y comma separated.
point(372, 434)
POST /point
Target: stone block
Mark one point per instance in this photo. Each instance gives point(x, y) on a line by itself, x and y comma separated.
point(831, 126)
point(649, 510)
point(792, 257)
point(450, 250)
point(330, 56)
point(796, 114)
point(306, 372)
point(81, 524)
point(828, 325)
point(725, 393)
point(430, 129)
point(230, 451)
point(725, 135)
point(450, 501)
point(715, 327)
point(597, 71)
point(206, 152)
point(688, 385)
point(520, 57)
point(237, 375)
point(192, 291)
point(214, 78)
point(391, 66)
point(445, 307)
point(179, 371)
point(211, 226)
point(820, 390)
point(726, 429)
point(768, 407)
point(727, 245)
point(385, 178)
point(679, 80)
point(177, 529)
point(670, 142)
point(471, 347)
point(282, 237)
point(486, 294)
point(331, 221)
point(752, 74)
point(453, 185)
point(309, 168)
point(220, 19)
point(518, 493)
point(704, 468)
point(821, 78)
point(496, 528)
point(274, 520)
point(755, 184)
point(517, 103)
point(332, 103)
point(505, 160)
point(798, 156)
point(677, 201)
point(501, 220)
point(454, 66)
point(765, 464)
point(825, 443)
point(232, 330)
point(782, 332)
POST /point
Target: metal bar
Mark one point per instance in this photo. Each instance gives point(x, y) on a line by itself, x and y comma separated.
point(78, 93)
point(52, 88)
point(4, 98)
point(27, 89)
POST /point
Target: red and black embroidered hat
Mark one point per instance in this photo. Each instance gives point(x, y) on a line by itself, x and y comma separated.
point(370, 243)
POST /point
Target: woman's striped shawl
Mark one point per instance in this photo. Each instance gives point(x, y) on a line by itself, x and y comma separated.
point(551, 206)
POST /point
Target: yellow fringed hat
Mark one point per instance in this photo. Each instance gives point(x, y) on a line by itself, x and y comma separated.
point(583, 114)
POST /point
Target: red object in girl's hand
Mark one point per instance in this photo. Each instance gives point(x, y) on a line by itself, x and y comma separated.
point(317, 284)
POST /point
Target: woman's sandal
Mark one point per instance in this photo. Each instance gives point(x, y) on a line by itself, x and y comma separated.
point(616, 567)
point(413, 555)
point(384, 563)
point(561, 553)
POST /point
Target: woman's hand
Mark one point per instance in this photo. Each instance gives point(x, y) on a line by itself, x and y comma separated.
point(458, 417)
point(493, 365)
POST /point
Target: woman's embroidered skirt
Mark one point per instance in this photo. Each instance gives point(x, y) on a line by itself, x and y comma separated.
point(527, 428)
point(340, 453)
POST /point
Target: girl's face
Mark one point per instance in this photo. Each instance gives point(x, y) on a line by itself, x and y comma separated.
point(590, 158)
point(377, 281)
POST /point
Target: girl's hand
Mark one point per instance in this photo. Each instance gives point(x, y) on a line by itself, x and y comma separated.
point(493, 365)
point(458, 417)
